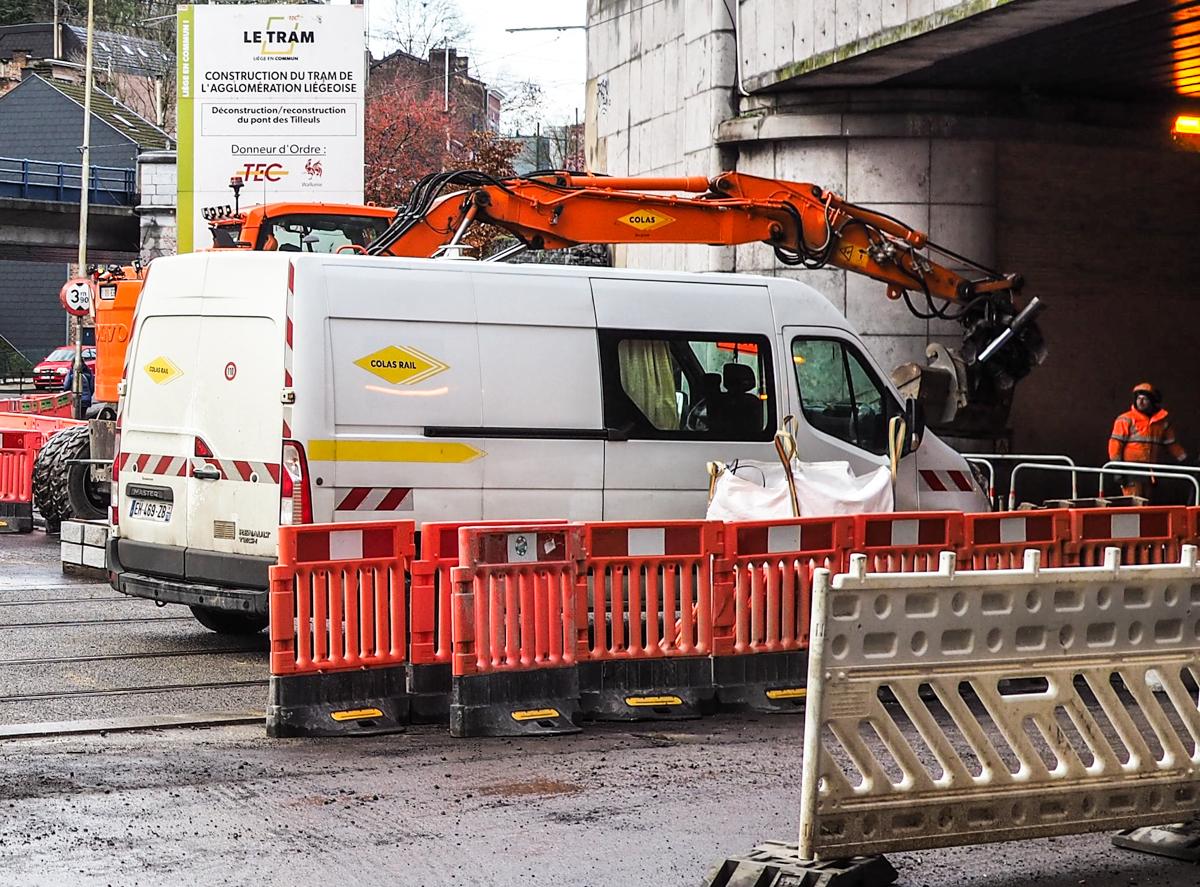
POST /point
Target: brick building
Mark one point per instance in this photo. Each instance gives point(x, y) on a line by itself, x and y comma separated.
point(139, 72)
point(473, 104)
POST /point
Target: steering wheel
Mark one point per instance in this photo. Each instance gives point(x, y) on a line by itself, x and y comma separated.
point(696, 417)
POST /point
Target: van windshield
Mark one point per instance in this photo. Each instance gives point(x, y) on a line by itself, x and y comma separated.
point(317, 233)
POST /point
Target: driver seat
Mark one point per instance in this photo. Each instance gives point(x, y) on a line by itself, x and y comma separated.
point(737, 411)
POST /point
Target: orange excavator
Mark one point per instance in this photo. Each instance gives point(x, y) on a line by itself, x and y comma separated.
point(805, 225)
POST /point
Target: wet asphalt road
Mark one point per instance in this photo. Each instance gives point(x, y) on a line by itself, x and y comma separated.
point(654, 804)
point(72, 648)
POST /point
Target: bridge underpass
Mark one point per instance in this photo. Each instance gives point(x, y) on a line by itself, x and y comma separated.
point(39, 245)
point(1032, 135)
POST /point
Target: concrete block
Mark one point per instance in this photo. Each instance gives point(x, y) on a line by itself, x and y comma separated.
point(93, 557)
point(755, 258)
point(895, 13)
point(968, 230)
point(846, 21)
point(888, 171)
point(70, 552)
point(824, 27)
point(674, 72)
point(694, 19)
point(871, 312)
point(722, 61)
point(635, 101)
point(95, 534)
point(892, 351)
point(758, 159)
point(655, 82)
point(71, 531)
point(962, 172)
point(699, 125)
point(870, 22)
point(819, 162)
point(919, 9)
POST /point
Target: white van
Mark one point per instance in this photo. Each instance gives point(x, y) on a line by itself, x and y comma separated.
point(263, 388)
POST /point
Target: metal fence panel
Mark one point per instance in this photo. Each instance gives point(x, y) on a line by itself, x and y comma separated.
point(955, 708)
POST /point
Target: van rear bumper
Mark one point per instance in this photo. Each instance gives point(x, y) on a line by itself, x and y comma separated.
point(181, 590)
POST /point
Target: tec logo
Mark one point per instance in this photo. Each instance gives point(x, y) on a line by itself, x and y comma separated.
point(261, 172)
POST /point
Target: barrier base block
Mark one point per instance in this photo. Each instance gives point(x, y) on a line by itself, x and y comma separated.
point(16, 517)
point(765, 682)
point(776, 864)
point(540, 702)
point(646, 689)
point(1180, 840)
point(429, 693)
point(338, 703)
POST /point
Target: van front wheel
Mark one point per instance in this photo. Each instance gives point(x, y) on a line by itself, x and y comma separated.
point(224, 622)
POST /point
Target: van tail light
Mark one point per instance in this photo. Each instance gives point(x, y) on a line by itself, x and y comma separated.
point(202, 450)
point(295, 495)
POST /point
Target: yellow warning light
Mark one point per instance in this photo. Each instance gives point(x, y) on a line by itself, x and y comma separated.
point(1185, 125)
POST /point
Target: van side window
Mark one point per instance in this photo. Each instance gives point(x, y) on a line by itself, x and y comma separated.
point(840, 394)
point(680, 386)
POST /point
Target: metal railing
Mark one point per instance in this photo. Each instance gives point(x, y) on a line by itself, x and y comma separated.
point(988, 458)
point(62, 182)
point(1143, 470)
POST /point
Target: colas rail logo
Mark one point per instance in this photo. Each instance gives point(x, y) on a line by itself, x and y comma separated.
point(281, 36)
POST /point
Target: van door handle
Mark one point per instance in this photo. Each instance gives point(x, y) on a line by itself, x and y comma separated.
point(206, 472)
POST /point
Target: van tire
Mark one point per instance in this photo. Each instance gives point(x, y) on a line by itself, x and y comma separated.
point(225, 622)
point(50, 495)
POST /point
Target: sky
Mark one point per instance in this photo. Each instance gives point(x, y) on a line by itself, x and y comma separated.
point(555, 59)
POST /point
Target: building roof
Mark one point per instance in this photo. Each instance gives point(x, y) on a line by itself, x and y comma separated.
point(121, 52)
point(110, 51)
point(128, 123)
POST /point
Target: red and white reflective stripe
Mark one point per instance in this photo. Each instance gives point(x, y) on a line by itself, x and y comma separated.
point(374, 499)
point(1016, 529)
point(287, 350)
point(178, 466)
point(945, 481)
point(664, 541)
point(905, 532)
point(1123, 526)
point(346, 545)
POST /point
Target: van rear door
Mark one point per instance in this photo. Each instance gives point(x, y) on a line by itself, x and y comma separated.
point(202, 418)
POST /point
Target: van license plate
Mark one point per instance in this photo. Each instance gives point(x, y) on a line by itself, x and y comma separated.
point(148, 509)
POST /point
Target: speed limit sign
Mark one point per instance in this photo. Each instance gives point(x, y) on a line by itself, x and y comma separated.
point(76, 296)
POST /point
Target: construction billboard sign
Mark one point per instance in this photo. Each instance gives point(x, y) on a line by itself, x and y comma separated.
point(274, 96)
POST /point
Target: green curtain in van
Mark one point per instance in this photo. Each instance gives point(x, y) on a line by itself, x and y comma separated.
point(648, 377)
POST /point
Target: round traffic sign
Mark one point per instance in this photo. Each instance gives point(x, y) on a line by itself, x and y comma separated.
point(76, 296)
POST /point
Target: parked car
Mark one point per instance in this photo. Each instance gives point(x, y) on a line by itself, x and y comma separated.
point(51, 371)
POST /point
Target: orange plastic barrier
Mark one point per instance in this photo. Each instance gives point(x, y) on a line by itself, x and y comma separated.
point(1152, 535)
point(999, 541)
point(763, 591)
point(339, 635)
point(16, 474)
point(515, 632)
point(16, 489)
point(904, 542)
point(647, 608)
point(338, 596)
point(764, 604)
point(51, 405)
point(431, 587)
point(651, 592)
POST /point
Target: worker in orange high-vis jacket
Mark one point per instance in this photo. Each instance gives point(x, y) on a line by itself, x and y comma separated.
point(1144, 433)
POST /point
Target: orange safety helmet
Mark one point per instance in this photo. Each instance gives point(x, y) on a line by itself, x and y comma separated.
point(1147, 389)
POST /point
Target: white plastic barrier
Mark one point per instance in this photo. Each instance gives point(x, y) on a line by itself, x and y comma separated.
point(963, 708)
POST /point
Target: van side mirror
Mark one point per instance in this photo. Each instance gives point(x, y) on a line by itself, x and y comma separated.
point(914, 418)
